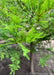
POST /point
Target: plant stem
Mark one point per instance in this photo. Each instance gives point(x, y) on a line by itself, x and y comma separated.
point(31, 59)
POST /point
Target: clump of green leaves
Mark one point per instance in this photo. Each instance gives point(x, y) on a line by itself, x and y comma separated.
point(24, 21)
point(43, 60)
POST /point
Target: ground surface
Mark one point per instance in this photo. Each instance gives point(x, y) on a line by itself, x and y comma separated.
point(4, 70)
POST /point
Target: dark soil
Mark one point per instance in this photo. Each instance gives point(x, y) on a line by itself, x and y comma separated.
point(4, 69)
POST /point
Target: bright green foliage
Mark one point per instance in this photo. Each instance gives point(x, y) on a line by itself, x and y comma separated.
point(25, 51)
point(24, 21)
point(43, 60)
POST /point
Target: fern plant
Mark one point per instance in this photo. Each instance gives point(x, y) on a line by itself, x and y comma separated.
point(24, 21)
